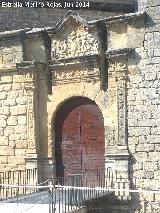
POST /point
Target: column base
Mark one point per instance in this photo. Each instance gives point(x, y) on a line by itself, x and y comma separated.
point(118, 166)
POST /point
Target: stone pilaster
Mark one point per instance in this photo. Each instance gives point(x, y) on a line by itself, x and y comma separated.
point(29, 70)
point(119, 161)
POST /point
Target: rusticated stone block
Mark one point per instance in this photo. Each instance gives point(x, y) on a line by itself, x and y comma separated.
point(148, 174)
point(21, 144)
point(6, 79)
point(12, 121)
point(3, 95)
point(3, 117)
point(7, 151)
point(23, 136)
point(141, 157)
point(9, 102)
point(18, 110)
point(14, 137)
point(7, 87)
point(144, 147)
point(22, 120)
point(3, 123)
point(3, 159)
point(21, 100)
point(154, 156)
point(4, 141)
point(16, 86)
point(137, 166)
point(18, 78)
point(21, 128)
point(1, 131)
point(20, 152)
point(4, 110)
point(18, 160)
point(13, 94)
point(9, 130)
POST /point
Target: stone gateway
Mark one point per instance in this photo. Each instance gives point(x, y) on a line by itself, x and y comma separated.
point(82, 92)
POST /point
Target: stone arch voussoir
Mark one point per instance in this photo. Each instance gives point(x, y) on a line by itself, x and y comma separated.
point(62, 94)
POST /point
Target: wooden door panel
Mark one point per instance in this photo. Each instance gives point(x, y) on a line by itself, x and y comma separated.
point(79, 137)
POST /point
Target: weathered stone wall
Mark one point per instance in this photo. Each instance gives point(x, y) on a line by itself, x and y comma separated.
point(139, 75)
point(142, 101)
point(13, 130)
point(144, 109)
point(23, 115)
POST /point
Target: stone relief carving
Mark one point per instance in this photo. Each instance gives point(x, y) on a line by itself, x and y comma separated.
point(75, 41)
point(29, 87)
point(64, 76)
point(30, 124)
point(29, 76)
point(120, 67)
point(121, 77)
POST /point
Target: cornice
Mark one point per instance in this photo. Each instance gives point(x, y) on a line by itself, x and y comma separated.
point(116, 54)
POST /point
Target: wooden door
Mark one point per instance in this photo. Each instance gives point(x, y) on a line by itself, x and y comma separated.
point(79, 136)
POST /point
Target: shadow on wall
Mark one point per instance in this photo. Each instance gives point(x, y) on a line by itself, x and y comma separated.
point(135, 197)
point(107, 204)
point(43, 124)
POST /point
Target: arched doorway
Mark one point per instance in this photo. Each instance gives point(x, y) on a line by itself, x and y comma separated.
point(79, 138)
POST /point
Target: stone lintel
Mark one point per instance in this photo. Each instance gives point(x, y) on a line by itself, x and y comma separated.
point(77, 60)
point(119, 54)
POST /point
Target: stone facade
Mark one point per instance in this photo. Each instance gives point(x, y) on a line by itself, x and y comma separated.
point(113, 61)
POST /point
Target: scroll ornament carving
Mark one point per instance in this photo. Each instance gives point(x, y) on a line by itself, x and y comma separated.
point(30, 123)
point(120, 72)
point(120, 66)
point(63, 74)
point(121, 95)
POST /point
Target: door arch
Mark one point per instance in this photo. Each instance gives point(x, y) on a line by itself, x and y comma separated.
point(79, 137)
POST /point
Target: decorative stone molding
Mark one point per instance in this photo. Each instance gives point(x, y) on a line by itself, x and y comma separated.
point(31, 72)
point(75, 70)
point(119, 161)
point(118, 165)
point(75, 40)
point(119, 57)
point(74, 37)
